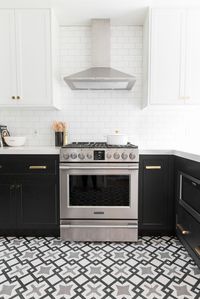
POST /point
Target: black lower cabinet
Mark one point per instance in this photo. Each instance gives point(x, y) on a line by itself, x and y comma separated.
point(188, 231)
point(37, 205)
point(7, 204)
point(29, 199)
point(188, 205)
point(156, 195)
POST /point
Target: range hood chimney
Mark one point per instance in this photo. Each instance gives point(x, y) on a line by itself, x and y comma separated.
point(101, 76)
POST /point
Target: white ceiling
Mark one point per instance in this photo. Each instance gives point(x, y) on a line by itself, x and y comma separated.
point(80, 12)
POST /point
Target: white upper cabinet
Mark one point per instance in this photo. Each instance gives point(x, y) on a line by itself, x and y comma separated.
point(165, 57)
point(26, 57)
point(8, 83)
point(192, 75)
point(172, 64)
point(33, 57)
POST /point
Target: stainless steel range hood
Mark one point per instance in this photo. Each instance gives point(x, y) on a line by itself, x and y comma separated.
point(101, 76)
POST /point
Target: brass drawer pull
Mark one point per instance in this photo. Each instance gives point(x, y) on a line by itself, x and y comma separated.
point(38, 167)
point(18, 97)
point(197, 250)
point(13, 97)
point(182, 230)
point(153, 167)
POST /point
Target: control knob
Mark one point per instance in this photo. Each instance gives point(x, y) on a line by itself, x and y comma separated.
point(66, 156)
point(108, 156)
point(81, 156)
point(132, 156)
point(89, 156)
point(116, 156)
point(73, 156)
point(124, 156)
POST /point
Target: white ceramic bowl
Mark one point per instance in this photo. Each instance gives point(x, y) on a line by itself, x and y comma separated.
point(117, 139)
point(15, 140)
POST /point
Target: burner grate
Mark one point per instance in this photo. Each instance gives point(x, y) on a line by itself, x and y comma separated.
point(97, 145)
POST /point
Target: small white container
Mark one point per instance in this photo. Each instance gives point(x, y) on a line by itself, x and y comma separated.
point(117, 139)
point(15, 140)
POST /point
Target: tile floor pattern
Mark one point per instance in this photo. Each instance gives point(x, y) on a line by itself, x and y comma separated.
point(49, 268)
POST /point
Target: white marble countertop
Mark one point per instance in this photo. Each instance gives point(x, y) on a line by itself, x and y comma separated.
point(30, 150)
point(191, 154)
point(52, 150)
point(152, 151)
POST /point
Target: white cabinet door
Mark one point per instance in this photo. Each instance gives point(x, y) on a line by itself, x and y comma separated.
point(165, 57)
point(7, 58)
point(192, 88)
point(33, 45)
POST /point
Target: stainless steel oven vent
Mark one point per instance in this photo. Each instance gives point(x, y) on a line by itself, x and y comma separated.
point(101, 76)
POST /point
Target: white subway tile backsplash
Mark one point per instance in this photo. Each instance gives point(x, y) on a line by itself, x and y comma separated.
point(94, 114)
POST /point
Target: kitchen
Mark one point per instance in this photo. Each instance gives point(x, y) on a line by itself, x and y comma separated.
point(156, 44)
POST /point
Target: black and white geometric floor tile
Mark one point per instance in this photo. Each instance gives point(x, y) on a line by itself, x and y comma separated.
point(153, 268)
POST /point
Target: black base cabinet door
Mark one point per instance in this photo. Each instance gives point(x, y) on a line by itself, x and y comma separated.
point(29, 195)
point(156, 195)
point(7, 204)
point(187, 174)
point(37, 204)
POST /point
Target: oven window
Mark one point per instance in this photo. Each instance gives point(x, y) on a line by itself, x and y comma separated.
point(99, 190)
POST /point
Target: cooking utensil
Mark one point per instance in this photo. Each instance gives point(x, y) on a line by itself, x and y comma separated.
point(117, 139)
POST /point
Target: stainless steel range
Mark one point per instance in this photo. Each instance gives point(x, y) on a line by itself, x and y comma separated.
point(99, 192)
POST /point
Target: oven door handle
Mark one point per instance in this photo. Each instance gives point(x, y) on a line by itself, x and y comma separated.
point(98, 226)
point(98, 167)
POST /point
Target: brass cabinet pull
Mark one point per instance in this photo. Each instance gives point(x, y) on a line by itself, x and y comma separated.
point(184, 98)
point(38, 167)
point(12, 187)
point(182, 230)
point(16, 98)
point(197, 250)
point(153, 167)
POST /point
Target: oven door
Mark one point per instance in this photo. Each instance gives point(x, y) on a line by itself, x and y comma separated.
point(99, 191)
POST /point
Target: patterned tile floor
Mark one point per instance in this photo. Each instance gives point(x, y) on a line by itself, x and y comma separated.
point(153, 268)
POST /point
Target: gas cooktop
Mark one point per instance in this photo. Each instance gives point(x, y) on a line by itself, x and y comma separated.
point(98, 152)
point(97, 145)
